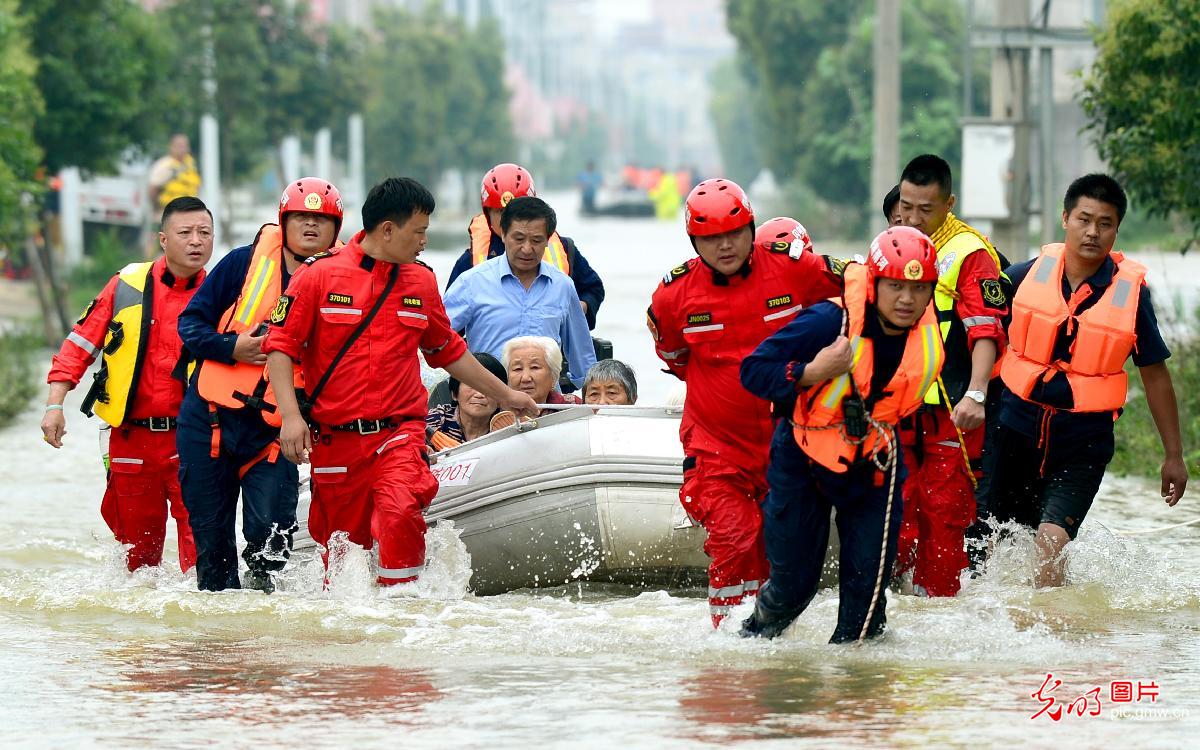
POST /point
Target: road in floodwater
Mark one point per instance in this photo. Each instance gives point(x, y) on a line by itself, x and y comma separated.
point(95, 657)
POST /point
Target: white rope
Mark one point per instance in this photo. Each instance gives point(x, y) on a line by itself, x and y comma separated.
point(887, 522)
point(1134, 532)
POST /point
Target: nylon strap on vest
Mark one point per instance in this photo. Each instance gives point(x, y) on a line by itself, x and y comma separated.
point(311, 399)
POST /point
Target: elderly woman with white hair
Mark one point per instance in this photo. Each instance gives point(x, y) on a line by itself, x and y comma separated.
point(534, 364)
point(610, 382)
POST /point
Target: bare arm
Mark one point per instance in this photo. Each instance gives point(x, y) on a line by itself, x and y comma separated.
point(295, 439)
point(54, 422)
point(1160, 397)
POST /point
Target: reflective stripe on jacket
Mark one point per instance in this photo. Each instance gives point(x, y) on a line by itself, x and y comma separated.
point(481, 242)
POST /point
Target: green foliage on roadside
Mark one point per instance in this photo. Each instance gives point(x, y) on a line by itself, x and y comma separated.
point(109, 255)
point(812, 64)
point(20, 106)
point(1138, 449)
point(18, 350)
point(735, 100)
point(1140, 97)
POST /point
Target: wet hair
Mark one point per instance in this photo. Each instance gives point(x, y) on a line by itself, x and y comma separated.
point(528, 208)
point(490, 363)
point(1099, 187)
point(549, 346)
point(929, 169)
point(615, 370)
point(185, 204)
point(889, 202)
point(396, 199)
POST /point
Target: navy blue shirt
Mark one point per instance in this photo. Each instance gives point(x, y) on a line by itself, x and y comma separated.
point(1149, 349)
point(774, 368)
point(588, 285)
point(198, 322)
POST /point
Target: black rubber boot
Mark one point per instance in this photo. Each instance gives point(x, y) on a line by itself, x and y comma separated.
point(259, 580)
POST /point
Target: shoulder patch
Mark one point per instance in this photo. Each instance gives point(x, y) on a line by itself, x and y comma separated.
point(88, 311)
point(652, 324)
point(993, 293)
point(317, 256)
point(423, 263)
point(836, 267)
point(282, 308)
point(676, 272)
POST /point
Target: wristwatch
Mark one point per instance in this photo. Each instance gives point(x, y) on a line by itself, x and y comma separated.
point(978, 397)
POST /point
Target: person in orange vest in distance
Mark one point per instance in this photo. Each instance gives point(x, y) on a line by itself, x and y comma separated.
point(501, 184)
point(355, 320)
point(1081, 309)
point(945, 439)
point(131, 325)
point(228, 424)
point(850, 369)
point(704, 317)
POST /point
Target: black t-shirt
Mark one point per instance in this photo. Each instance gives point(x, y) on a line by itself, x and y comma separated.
point(1149, 349)
point(889, 350)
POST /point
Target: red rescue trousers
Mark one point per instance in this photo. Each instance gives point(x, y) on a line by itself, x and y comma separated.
point(374, 488)
point(724, 499)
point(143, 483)
point(939, 503)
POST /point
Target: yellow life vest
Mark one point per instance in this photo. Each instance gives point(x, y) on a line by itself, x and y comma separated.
point(185, 180)
point(481, 244)
point(955, 241)
point(124, 347)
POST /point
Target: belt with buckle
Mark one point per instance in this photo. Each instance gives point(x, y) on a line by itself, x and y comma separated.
point(365, 426)
point(156, 424)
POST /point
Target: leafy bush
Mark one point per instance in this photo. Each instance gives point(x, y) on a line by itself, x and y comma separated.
point(17, 383)
point(1139, 451)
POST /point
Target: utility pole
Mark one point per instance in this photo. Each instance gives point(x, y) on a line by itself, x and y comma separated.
point(1010, 103)
point(885, 137)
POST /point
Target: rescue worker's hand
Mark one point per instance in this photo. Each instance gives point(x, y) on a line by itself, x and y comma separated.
point(248, 348)
point(54, 426)
point(830, 362)
point(295, 439)
point(968, 414)
point(1174, 479)
point(519, 403)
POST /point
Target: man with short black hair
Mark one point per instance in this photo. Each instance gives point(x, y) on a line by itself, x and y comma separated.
point(1080, 310)
point(520, 294)
point(132, 325)
point(944, 440)
point(354, 320)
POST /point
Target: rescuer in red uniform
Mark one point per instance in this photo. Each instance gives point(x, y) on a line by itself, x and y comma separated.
point(354, 320)
point(131, 324)
point(705, 316)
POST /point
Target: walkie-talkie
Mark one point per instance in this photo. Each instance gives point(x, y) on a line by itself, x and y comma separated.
point(854, 414)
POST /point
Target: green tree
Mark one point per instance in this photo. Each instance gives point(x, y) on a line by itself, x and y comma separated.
point(735, 100)
point(100, 73)
point(20, 106)
point(1140, 98)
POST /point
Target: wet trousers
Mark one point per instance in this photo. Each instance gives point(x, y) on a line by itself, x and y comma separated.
point(724, 499)
point(143, 485)
point(268, 485)
point(374, 488)
point(796, 518)
point(939, 502)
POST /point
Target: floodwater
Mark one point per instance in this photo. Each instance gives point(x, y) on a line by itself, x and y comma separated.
point(93, 656)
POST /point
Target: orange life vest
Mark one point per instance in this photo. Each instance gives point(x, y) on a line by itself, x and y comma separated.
point(1106, 335)
point(481, 243)
point(240, 384)
point(818, 422)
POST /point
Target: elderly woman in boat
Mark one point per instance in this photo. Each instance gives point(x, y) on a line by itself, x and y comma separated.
point(469, 413)
point(534, 364)
point(610, 382)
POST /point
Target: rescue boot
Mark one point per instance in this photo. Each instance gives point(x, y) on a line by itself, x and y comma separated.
point(259, 580)
point(767, 621)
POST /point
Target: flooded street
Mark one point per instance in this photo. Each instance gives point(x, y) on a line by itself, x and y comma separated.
point(94, 656)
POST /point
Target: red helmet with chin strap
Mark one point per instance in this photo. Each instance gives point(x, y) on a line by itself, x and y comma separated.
point(902, 253)
point(314, 196)
point(783, 234)
point(717, 206)
point(504, 182)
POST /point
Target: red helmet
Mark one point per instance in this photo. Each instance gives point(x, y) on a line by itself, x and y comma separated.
point(504, 182)
point(715, 207)
point(901, 253)
point(783, 235)
point(312, 195)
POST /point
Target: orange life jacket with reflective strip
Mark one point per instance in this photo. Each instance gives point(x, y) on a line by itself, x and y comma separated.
point(817, 418)
point(481, 243)
point(1106, 335)
point(240, 384)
